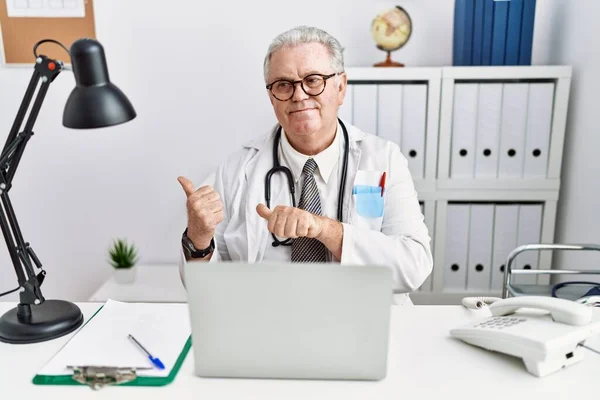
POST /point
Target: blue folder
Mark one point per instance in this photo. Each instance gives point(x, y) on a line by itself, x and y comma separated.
point(527, 32)
point(513, 34)
point(478, 32)
point(458, 38)
point(488, 25)
point(499, 32)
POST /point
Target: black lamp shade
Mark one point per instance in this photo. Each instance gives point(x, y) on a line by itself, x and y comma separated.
point(95, 102)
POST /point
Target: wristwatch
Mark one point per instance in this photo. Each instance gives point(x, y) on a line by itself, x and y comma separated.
point(189, 249)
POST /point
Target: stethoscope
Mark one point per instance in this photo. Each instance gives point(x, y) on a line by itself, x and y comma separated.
point(277, 167)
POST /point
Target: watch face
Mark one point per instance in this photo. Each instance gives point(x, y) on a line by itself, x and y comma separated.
point(188, 243)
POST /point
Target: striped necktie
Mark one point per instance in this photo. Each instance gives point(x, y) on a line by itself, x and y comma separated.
point(307, 249)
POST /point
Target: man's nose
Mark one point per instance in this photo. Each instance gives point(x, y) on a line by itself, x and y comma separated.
point(299, 93)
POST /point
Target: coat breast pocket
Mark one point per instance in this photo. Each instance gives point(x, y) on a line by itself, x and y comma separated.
point(367, 207)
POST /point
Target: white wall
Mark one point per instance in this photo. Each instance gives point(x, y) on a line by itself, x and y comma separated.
point(190, 70)
point(575, 41)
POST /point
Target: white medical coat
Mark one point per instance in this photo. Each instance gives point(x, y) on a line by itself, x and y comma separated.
point(399, 239)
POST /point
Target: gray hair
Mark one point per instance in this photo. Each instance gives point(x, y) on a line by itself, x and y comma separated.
point(306, 34)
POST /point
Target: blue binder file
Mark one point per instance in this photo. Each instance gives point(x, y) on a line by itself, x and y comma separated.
point(499, 32)
point(478, 32)
point(458, 45)
point(488, 25)
point(513, 34)
point(468, 49)
point(528, 20)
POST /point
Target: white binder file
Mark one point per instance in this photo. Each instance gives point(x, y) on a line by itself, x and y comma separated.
point(488, 130)
point(464, 125)
point(345, 111)
point(506, 221)
point(530, 226)
point(364, 111)
point(457, 242)
point(480, 247)
point(539, 122)
point(413, 128)
point(389, 113)
point(512, 133)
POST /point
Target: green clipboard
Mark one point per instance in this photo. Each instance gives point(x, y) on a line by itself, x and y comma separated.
point(69, 380)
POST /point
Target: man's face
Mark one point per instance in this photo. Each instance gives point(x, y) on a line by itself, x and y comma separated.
point(305, 115)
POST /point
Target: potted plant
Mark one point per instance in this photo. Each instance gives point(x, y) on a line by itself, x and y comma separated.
point(123, 257)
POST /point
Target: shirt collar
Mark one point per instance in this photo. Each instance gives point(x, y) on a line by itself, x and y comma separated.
point(326, 160)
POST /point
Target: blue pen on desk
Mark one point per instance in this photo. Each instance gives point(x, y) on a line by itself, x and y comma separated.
point(155, 361)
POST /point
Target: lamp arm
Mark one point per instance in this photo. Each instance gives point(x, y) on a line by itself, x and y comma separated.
point(22, 255)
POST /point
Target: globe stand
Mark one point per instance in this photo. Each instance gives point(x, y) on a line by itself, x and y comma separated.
point(388, 62)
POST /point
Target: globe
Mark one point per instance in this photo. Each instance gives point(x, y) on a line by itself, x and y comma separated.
point(391, 29)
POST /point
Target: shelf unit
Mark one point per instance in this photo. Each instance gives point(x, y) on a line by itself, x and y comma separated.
point(490, 92)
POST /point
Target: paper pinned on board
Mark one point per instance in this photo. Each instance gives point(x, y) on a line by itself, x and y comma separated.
point(46, 8)
point(163, 329)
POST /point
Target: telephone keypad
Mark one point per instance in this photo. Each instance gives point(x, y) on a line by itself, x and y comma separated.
point(500, 322)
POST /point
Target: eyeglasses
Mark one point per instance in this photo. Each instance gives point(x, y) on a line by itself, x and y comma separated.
point(312, 85)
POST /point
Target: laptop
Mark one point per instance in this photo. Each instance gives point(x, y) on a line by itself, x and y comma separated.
point(289, 320)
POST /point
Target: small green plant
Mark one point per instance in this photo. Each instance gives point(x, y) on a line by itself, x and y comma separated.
point(122, 254)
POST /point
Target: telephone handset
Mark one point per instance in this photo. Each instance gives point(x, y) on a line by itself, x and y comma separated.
point(544, 331)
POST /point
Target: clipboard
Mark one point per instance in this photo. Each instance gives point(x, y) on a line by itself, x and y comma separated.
point(99, 375)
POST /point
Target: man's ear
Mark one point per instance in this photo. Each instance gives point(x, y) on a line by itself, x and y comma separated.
point(342, 86)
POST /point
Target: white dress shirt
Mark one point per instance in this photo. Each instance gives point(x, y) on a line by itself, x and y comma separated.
point(326, 176)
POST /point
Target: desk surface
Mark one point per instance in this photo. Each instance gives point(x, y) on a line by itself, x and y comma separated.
point(424, 362)
point(153, 283)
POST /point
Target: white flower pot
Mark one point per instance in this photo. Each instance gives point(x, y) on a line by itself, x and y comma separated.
point(125, 275)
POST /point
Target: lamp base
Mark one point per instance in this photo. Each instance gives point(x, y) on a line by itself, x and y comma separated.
point(32, 324)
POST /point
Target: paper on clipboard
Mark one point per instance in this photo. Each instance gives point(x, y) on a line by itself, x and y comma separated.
point(163, 329)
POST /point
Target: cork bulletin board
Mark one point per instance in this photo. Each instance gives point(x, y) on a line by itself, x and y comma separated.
point(20, 34)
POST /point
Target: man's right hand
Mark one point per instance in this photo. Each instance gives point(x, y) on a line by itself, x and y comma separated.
point(205, 212)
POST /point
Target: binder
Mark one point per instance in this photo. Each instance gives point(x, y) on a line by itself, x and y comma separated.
point(464, 125)
point(456, 250)
point(389, 113)
point(506, 222)
point(539, 124)
point(478, 16)
point(413, 127)
point(529, 231)
point(512, 133)
point(527, 22)
point(513, 33)
point(480, 247)
point(499, 32)
point(488, 130)
point(461, 27)
point(100, 352)
point(345, 111)
point(488, 29)
point(364, 110)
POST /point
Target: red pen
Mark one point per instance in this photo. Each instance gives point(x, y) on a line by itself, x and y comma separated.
point(382, 183)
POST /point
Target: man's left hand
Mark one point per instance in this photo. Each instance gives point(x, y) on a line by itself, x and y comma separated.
point(291, 222)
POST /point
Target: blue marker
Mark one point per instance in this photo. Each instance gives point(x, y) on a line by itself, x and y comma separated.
point(155, 361)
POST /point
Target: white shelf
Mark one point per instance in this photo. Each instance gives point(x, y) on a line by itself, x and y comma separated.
point(499, 184)
point(507, 72)
point(439, 184)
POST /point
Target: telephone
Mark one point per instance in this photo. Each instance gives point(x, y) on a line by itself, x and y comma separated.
point(546, 332)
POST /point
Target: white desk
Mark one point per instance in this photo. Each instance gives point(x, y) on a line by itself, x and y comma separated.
point(153, 283)
point(424, 363)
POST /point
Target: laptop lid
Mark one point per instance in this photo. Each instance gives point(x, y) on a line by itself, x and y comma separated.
point(289, 320)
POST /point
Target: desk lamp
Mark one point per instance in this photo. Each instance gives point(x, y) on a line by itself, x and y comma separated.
point(94, 103)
